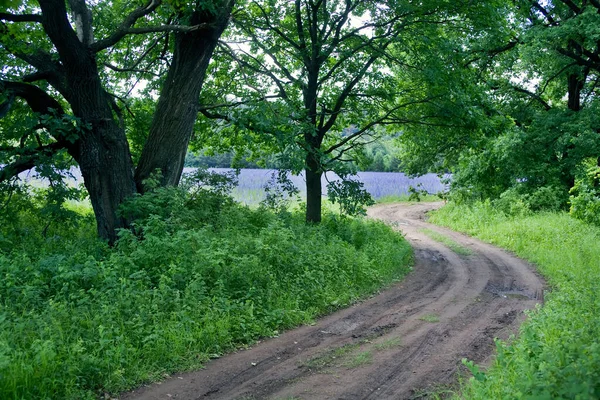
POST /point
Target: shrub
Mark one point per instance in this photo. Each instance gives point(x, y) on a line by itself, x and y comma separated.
point(199, 276)
point(585, 197)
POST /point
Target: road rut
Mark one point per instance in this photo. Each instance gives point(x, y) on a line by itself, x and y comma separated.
point(401, 344)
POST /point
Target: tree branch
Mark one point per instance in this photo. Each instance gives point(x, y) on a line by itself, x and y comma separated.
point(261, 70)
point(141, 71)
point(167, 28)
point(533, 96)
point(494, 52)
point(374, 123)
point(38, 100)
point(572, 6)
point(237, 103)
point(125, 26)
point(83, 21)
point(29, 159)
point(580, 60)
point(544, 12)
point(346, 92)
point(21, 17)
point(48, 69)
point(273, 28)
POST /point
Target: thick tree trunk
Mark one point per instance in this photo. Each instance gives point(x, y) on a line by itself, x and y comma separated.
point(313, 189)
point(177, 109)
point(103, 155)
point(101, 150)
point(107, 173)
point(575, 85)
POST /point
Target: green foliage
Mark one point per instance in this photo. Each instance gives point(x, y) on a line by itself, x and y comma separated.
point(199, 199)
point(199, 276)
point(585, 197)
point(350, 195)
point(29, 213)
point(524, 111)
point(279, 190)
point(416, 193)
point(556, 355)
point(478, 375)
point(381, 156)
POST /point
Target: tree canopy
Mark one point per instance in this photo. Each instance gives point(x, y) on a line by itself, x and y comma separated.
point(503, 94)
point(538, 86)
point(315, 78)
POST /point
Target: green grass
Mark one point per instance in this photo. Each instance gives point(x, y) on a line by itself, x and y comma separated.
point(430, 318)
point(359, 360)
point(341, 356)
point(557, 353)
point(388, 344)
point(406, 199)
point(451, 244)
point(332, 357)
point(79, 319)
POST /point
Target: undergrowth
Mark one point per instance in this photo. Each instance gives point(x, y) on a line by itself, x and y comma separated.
point(196, 276)
point(557, 353)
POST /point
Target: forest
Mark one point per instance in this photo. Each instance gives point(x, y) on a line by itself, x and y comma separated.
point(139, 270)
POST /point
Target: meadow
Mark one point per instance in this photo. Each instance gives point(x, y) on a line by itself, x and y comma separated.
point(381, 185)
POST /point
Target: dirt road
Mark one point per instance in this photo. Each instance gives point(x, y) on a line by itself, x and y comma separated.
point(401, 344)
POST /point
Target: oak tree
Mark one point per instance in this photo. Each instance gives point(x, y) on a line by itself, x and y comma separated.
point(59, 57)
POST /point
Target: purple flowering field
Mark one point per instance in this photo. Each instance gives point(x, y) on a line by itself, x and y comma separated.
point(250, 189)
point(251, 183)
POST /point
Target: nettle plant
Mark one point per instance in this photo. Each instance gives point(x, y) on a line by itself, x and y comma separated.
point(585, 196)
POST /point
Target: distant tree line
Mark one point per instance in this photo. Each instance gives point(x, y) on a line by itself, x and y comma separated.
point(379, 156)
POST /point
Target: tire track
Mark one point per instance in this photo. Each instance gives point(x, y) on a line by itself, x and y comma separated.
point(411, 337)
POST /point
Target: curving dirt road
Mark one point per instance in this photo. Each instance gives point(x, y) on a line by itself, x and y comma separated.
point(401, 344)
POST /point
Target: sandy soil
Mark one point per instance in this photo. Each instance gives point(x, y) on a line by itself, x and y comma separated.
point(404, 343)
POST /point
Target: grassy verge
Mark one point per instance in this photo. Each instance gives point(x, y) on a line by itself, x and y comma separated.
point(452, 245)
point(79, 319)
point(406, 198)
point(557, 353)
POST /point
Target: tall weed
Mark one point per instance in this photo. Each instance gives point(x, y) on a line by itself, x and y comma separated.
point(195, 278)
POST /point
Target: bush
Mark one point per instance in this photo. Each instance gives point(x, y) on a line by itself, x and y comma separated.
point(521, 200)
point(197, 277)
point(585, 197)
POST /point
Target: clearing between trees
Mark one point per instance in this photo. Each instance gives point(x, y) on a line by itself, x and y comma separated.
point(402, 344)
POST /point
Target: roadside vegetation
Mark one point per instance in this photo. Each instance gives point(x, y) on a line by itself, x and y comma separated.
point(197, 275)
point(557, 353)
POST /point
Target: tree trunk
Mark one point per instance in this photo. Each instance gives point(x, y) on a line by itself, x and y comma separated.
point(313, 189)
point(102, 153)
point(101, 150)
point(177, 109)
point(575, 86)
point(107, 171)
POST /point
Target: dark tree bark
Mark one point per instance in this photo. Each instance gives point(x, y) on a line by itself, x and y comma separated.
point(177, 109)
point(314, 193)
point(102, 150)
point(575, 85)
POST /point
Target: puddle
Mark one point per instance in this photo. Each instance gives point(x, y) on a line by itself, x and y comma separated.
point(514, 295)
point(511, 293)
